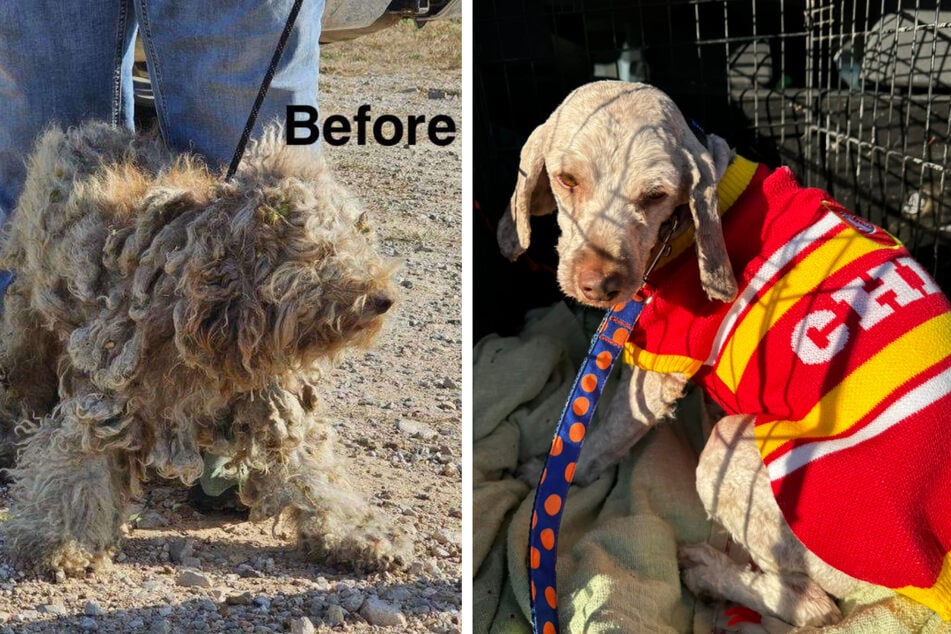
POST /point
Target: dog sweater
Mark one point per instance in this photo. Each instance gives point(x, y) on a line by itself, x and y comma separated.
point(840, 344)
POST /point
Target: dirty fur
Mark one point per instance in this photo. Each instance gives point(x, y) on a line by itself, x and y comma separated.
point(158, 312)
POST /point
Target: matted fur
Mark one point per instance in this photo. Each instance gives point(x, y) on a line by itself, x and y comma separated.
point(157, 312)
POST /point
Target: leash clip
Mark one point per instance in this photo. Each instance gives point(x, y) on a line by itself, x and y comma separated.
point(665, 248)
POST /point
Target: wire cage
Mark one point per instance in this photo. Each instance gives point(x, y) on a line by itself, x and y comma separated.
point(853, 95)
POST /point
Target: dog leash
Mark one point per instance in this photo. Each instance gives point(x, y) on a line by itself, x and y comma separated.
point(552, 490)
point(262, 91)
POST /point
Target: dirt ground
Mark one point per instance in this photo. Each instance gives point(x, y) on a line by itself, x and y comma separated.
point(397, 410)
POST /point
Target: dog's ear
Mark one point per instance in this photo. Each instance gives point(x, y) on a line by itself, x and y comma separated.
point(220, 322)
point(532, 196)
point(707, 164)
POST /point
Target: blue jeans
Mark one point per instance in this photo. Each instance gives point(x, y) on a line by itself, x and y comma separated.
point(66, 61)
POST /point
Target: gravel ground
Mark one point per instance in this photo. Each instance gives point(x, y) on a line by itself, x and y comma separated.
point(396, 407)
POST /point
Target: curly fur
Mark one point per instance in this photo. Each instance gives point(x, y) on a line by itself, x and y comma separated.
point(158, 312)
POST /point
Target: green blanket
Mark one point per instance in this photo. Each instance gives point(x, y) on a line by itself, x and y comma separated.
point(617, 551)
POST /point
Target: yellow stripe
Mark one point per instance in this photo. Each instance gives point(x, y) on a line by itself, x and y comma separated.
point(666, 363)
point(786, 292)
point(734, 182)
point(839, 409)
point(938, 596)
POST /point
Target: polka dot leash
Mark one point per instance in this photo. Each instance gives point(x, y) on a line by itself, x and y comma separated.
point(606, 346)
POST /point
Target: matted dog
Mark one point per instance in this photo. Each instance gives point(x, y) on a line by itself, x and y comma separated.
point(158, 312)
point(825, 344)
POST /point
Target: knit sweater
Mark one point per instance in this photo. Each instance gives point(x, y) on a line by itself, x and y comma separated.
point(840, 344)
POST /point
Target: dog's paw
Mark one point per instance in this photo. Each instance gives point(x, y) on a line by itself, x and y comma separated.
point(793, 598)
point(67, 559)
point(702, 568)
point(365, 548)
point(810, 605)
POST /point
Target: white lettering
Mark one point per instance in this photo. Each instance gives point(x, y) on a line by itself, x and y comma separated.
point(872, 306)
point(878, 293)
point(814, 342)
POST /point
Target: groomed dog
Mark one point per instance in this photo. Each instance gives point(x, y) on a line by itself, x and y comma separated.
point(815, 332)
point(158, 312)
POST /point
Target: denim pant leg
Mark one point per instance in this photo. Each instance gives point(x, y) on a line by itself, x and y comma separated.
point(207, 61)
point(60, 61)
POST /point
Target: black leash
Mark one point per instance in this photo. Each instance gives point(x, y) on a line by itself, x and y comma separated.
point(249, 126)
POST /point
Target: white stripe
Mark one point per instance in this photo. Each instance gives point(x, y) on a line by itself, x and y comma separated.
point(913, 402)
point(765, 275)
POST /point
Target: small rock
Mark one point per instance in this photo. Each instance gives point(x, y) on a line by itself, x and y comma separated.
point(398, 594)
point(59, 577)
point(379, 612)
point(248, 571)
point(192, 578)
point(151, 520)
point(88, 624)
point(153, 585)
point(447, 383)
point(159, 626)
point(445, 537)
point(415, 429)
point(191, 562)
point(218, 595)
point(352, 601)
point(405, 283)
point(179, 549)
point(302, 625)
point(27, 615)
point(261, 603)
point(165, 610)
point(334, 615)
point(92, 609)
point(240, 599)
point(52, 608)
point(135, 624)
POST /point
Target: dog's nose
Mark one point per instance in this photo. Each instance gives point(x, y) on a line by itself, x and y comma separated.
point(379, 304)
point(597, 287)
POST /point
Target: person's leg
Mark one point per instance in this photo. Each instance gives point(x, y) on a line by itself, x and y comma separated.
point(207, 61)
point(60, 61)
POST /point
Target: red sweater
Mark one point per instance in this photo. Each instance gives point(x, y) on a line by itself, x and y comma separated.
point(840, 344)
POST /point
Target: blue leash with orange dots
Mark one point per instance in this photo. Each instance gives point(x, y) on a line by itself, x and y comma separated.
point(549, 504)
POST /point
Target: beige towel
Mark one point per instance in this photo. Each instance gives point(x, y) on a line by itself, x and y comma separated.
point(617, 559)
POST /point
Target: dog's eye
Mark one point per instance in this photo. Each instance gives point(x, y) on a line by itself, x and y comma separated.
point(567, 180)
point(655, 194)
